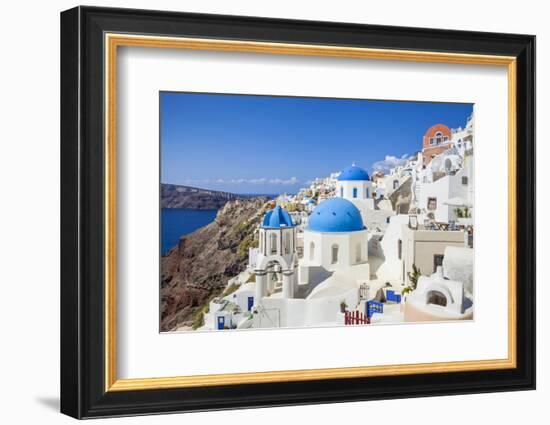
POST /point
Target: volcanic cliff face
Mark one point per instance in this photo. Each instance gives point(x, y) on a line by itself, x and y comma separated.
point(176, 196)
point(204, 260)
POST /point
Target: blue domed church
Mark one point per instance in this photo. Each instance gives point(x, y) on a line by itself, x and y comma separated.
point(354, 184)
point(335, 237)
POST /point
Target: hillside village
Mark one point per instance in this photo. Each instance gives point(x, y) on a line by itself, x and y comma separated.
point(360, 249)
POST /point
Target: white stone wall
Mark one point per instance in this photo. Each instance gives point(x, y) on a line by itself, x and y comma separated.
point(347, 243)
point(363, 205)
point(444, 189)
point(458, 264)
point(344, 189)
point(240, 297)
point(314, 312)
point(391, 269)
point(373, 219)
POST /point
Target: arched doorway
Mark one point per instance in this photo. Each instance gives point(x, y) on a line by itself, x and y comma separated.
point(436, 297)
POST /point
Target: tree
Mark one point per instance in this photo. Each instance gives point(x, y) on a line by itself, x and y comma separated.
point(413, 279)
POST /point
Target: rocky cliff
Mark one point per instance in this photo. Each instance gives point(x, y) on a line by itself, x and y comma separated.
point(176, 196)
point(200, 266)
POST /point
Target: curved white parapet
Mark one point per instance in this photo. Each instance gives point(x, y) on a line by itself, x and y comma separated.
point(246, 323)
point(437, 298)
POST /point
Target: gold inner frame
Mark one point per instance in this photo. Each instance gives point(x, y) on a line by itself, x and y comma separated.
point(113, 41)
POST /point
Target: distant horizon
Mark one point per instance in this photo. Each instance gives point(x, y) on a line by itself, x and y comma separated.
point(233, 193)
point(269, 145)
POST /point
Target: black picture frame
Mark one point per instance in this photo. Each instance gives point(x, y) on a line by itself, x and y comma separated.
point(83, 392)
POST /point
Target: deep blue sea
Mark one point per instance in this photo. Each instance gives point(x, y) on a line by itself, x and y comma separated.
point(176, 223)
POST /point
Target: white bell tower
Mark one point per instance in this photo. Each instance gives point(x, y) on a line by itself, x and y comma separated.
point(276, 254)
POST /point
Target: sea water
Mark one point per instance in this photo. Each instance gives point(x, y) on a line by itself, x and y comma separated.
point(178, 222)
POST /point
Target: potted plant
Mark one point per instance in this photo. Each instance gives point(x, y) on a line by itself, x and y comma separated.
point(463, 216)
point(343, 306)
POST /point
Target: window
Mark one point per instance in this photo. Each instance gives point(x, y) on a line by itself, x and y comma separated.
point(464, 180)
point(286, 239)
point(273, 243)
point(341, 192)
point(432, 204)
point(399, 249)
point(334, 257)
point(448, 166)
point(311, 251)
point(438, 261)
point(358, 253)
point(367, 193)
point(432, 140)
point(395, 184)
point(446, 138)
point(437, 298)
point(355, 192)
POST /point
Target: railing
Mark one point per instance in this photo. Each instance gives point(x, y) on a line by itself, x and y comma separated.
point(356, 318)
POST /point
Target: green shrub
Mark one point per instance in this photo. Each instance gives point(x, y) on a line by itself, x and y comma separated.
point(246, 243)
point(229, 290)
point(198, 319)
point(413, 279)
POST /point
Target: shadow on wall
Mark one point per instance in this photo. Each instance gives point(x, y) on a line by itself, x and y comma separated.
point(317, 274)
point(401, 198)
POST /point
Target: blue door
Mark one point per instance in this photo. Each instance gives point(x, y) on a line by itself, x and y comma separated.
point(250, 303)
point(221, 322)
point(355, 192)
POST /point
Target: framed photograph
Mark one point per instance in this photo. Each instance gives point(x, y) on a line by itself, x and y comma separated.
point(261, 212)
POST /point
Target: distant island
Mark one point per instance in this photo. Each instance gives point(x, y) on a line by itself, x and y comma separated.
point(194, 198)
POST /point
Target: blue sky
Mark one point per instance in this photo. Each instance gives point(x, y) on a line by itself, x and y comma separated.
point(270, 144)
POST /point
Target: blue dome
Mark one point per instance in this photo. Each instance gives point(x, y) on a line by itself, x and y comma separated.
point(335, 215)
point(276, 218)
point(353, 172)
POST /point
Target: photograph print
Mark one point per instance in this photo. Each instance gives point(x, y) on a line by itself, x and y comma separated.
point(293, 212)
